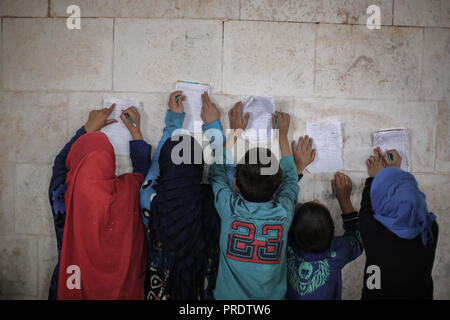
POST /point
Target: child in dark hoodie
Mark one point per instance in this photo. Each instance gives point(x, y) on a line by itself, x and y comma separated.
point(315, 256)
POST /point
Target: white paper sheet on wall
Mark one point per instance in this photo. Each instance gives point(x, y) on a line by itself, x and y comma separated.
point(327, 140)
point(393, 138)
point(118, 134)
point(259, 127)
point(192, 104)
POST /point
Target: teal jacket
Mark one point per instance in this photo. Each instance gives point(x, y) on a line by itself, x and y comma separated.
point(253, 237)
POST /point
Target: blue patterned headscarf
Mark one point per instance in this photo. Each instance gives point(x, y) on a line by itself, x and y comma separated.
point(400, 206)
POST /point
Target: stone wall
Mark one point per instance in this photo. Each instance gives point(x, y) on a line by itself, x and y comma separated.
point(317, 58)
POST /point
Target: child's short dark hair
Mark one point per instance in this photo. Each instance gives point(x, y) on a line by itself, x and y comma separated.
point(259, 175)
point(312, 228)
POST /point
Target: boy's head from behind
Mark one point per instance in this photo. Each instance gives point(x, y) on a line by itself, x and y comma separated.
point(312, 228)
point(258, 175)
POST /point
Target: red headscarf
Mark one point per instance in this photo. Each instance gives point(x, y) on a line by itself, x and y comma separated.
point(103, 233)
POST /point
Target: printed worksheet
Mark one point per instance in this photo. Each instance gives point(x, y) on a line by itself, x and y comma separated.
point(118, 134)
point(327, 140)
point(192, 104)
point(393, 138)
point(259, 127)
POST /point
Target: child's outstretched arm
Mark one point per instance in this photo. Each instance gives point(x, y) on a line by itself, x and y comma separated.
point(374, 165)
point(174, 120)
point(212, 128)
point(223, 192)
point(353, 246)
point(342, 185)
point(96, 121)
point(289, 190)
point(284, 120)
point(140, 151)
point(238, 126)
point(303, 152)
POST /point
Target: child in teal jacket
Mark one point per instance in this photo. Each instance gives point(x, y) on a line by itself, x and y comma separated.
point(254, 223)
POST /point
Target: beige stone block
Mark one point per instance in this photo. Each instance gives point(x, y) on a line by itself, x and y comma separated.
point(443, 137)
point(42, 54)
point(23, 8)
point(360, 118)
point(436, 64)
point(271, 59)
point(48, 258)
point(160, 52)
point(197, 9)
point(114, 8)
point(437, 188)
point(7, 194)
point(18, 268)
point(33, 211)
point(1, 67)
point(329, 11)
point(428, 13)
point(355, 62)
point(33, 126)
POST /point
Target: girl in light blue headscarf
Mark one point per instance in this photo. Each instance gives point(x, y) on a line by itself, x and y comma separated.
point(400, 206)
point(398, 232)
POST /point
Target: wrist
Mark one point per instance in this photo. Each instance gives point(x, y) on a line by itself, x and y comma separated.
point(176, 111)
point(88, 129)
point(300, 169)
point(210, 121)
point(284, 147)
point(232, 138)
point(136, 135)
point(346, 205)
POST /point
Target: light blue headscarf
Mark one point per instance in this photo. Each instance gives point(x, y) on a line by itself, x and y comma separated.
point(400, 206)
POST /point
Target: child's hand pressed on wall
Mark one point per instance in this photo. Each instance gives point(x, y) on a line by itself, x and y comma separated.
point(342, 185)
point(235, 117)
point(210, 112)
point(396, 159)
point(176, 102)
point(283, 123)
point(99, 118)
point(303, 153)
point(283, 127)
point(375, 163)
point(134, 126)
